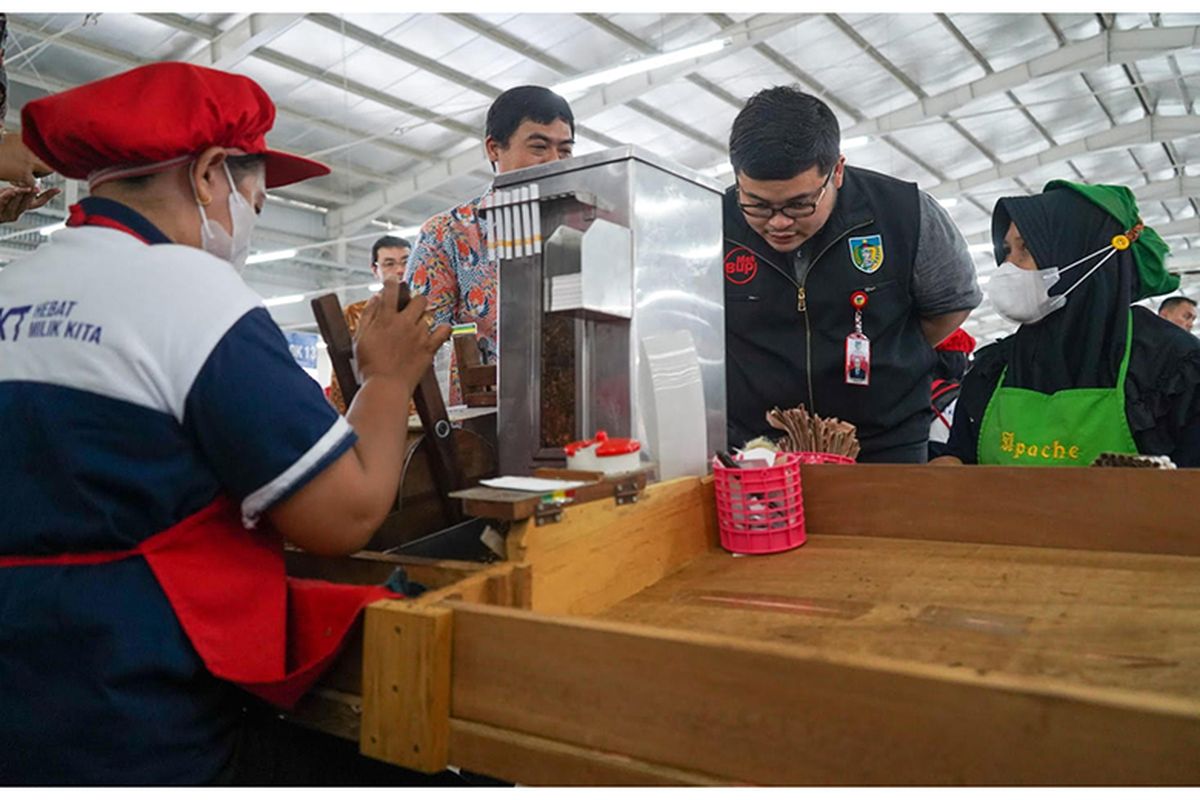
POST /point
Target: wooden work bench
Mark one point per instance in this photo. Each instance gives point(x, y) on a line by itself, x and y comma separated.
point(972, 626)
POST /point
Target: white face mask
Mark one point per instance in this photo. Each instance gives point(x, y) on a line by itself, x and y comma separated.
point(1023, 295)
point(216, 240)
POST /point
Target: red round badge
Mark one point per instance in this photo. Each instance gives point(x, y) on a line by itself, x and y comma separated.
point(740, 266)
point(859, 300)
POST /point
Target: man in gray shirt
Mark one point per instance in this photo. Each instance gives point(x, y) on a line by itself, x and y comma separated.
point(944, 277)
point(839, 282)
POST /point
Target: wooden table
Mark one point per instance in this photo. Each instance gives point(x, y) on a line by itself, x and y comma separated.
point(941, 626)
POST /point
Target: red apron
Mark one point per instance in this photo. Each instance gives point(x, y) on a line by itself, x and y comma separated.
point(251, 624)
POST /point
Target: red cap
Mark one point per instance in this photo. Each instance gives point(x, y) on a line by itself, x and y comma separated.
point(153, 117)
point(958, 342)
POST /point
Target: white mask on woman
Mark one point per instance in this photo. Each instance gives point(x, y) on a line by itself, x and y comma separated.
point(214, 239)
point(1023, 295)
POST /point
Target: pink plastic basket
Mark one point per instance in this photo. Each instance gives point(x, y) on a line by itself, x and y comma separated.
point(761, 509)
point(808, 457)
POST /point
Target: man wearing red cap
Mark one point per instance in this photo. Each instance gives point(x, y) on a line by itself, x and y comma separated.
point(158, 438)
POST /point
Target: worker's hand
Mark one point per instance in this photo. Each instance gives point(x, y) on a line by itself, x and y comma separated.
point(18, 164)
point(947, 461)
point(16, 200)
point(391, 343)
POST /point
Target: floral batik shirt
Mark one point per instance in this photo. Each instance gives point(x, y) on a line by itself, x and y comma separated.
point(449, 264)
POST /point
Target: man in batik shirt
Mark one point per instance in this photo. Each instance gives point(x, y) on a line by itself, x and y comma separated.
point(526, 125)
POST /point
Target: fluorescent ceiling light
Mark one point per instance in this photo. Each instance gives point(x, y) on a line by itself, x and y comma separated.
point(46, 230)
point(277, 255)
point(283, 300)
point(287, 201)
point(855, 141)
point(980, 248)
point(375, 287)
point(948, 202)
point(613, 74)
point(403, 233)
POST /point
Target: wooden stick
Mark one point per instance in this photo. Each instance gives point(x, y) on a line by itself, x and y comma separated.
point(443, 455)
point(332, 323)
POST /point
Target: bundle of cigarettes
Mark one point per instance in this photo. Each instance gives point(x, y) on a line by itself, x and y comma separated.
point(809, 433)
point(1126, 460)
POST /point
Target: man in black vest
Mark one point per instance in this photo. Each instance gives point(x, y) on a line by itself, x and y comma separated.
point(839, 282)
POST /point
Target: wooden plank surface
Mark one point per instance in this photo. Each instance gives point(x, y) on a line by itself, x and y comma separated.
point(489, 585)
point(759, 712)
point(478, 376)
point(1134, 510)
point(513, 756)
point(504, 504)
point(602, 553)
point(1119, 620)
point(406, 685)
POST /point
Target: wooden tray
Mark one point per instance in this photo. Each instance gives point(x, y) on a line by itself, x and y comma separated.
point(941, 626)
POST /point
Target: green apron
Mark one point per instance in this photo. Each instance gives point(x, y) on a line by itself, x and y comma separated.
point(1067, 428)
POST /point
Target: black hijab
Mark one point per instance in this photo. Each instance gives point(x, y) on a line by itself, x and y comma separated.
point(1080, 345)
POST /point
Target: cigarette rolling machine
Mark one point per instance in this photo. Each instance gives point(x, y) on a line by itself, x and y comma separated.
point(611, 312)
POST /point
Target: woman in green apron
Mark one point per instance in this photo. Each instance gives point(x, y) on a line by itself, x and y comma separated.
point(1084, 373)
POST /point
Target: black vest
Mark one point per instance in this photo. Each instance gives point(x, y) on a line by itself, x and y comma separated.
point(785, 343)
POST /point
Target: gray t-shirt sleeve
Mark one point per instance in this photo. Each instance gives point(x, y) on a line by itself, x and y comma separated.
point(944, 275)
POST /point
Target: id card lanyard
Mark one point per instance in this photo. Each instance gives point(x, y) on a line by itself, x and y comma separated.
point(858, 346)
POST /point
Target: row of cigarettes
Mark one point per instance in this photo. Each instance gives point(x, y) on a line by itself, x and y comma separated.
point(515, 222)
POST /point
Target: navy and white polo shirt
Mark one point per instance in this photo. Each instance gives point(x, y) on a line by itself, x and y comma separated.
point(139, 380)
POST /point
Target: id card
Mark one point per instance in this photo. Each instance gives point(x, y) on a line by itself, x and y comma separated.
point(858, 360)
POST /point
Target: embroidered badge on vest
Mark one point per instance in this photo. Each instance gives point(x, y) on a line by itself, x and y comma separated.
point(740, 266)
point(867, 252)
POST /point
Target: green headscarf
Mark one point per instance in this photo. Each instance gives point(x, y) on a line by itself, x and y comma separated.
point(1149, 250)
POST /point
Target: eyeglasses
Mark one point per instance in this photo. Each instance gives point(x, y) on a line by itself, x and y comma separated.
point(390, 263)
point(791, 210)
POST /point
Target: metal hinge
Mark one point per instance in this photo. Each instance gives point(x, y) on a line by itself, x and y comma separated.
point(627, 493)
point(547, 513)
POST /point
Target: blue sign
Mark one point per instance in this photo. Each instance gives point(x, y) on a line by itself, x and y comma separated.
point(303, 347)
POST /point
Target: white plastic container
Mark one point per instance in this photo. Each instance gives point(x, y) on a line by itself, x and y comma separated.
point(602, 454)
